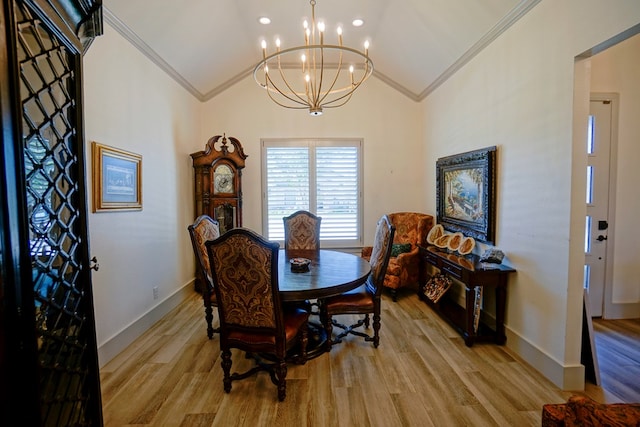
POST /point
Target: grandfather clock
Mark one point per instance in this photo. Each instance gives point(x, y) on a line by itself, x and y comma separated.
point(218, 181)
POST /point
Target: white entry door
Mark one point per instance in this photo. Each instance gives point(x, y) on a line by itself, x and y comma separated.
point(597, 198)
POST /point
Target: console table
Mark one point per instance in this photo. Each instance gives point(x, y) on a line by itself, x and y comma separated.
point(476, 277)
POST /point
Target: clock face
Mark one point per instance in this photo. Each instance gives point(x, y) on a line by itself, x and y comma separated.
point(223, 179)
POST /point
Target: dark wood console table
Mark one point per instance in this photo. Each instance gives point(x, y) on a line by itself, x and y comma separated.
point(473, 274)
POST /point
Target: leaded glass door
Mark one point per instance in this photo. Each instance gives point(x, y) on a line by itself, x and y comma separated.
point(58, 362)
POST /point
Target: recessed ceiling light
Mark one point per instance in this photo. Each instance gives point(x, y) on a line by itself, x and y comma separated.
point(264, 20)
point(357, 23)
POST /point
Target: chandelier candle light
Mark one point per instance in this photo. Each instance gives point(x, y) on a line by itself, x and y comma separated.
point(312, 76)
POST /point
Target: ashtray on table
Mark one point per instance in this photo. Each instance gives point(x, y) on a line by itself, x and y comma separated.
point(300, 265)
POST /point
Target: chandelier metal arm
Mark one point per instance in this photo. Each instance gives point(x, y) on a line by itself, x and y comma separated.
point(349, 94)
point(300, 101)
point(303, 106)
point(334, 80)
point(317, 91)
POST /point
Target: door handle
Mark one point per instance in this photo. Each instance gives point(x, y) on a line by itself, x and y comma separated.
point(600, 238)
point(94, 264)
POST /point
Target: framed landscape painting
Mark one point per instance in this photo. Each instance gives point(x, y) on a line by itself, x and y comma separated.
point(465, 192)
point(117, 179)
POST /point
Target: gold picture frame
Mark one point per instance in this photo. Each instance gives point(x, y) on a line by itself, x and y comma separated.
point(117, 179)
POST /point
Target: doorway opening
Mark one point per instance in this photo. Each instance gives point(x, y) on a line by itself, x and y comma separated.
point(603, 75)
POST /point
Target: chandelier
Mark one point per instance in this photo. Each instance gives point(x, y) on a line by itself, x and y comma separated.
point(315, 75)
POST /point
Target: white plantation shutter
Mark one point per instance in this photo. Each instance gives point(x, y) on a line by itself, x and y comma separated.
point(337, 192)
point(321, 176)
point(287, 185)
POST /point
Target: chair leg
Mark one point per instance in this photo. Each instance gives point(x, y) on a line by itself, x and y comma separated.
point(304, 340)
point(208, 315)
point(366, 321)
point(394, 295)
point(328, 328)
point(281, 374)
point(325, 320)
point(226, 369)
point(376, 330)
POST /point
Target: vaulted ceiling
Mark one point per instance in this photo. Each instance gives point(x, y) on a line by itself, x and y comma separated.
point(208, 45)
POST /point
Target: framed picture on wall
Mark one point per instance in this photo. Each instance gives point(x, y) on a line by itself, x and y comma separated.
point(465, 192)
point(117, 179)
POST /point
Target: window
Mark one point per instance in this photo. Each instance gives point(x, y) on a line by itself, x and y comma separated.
point(321, 176)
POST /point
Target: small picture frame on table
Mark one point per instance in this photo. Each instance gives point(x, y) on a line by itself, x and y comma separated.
point(117, 179)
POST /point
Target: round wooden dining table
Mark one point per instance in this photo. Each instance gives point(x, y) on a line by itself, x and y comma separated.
point(330, 273)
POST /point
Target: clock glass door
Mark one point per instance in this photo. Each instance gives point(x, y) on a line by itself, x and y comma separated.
point(225, 214)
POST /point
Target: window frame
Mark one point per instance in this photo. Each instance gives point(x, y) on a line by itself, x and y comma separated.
point(312, 143)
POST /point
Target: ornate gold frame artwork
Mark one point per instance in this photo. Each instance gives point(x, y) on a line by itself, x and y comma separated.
point(466, 193)
point(117, 179)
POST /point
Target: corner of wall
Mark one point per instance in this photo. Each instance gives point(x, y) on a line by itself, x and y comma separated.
point(566, 377)
point(117, 343)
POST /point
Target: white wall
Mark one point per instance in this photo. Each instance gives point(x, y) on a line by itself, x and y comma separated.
point(616, 70)
point(388, 122)
point(132, 105)
point(518, 94)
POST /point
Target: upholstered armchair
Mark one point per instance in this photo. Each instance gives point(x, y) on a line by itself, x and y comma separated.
point(404, 264)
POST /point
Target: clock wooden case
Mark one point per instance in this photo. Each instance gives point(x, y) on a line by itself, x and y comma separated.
point(218, 181)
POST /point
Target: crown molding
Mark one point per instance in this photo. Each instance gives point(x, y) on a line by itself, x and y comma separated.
point(397, 86)
point(511, 18)
point(136, 41)
point(226, 85)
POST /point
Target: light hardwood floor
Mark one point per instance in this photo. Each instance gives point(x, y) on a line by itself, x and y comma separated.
point(618, 351)
point(421, 375)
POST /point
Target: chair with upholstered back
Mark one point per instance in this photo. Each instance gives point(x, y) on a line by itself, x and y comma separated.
point(302, 231)
point(412, 229)
point(365, 299)
point(205, 228)
point(244, 269)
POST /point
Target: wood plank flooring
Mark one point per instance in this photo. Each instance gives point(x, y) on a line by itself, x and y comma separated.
point(618, 352)
point(421, 375)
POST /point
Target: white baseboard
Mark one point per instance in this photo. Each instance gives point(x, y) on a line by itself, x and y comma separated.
point(622, 311)
point(116, 344)
point(566, 377)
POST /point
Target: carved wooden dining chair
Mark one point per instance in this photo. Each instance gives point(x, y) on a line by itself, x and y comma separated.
point(365, 299)
point(244, 269)
point(302, 231)
point(205, 228)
